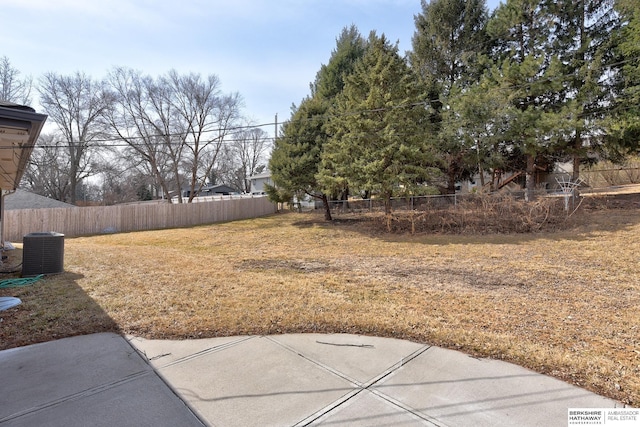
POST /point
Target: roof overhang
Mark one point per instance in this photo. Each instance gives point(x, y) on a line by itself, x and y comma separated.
point(20, 127)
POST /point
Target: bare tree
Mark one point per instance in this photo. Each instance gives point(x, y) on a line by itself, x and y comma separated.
point(142, 117)
point(156, 176)
point(47, 172)
point(174, 125)
point(247, 150)
point(117, 184)
point(205, 119)
point(12, 87)
point(76, 104)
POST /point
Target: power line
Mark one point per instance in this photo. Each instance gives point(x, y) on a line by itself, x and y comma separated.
point(121, 141)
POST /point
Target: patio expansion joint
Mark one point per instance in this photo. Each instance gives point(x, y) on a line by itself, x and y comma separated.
point(79, 395)
point(189, 357)
point(360, 387)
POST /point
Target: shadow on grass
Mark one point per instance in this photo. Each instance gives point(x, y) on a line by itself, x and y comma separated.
point(54, 307)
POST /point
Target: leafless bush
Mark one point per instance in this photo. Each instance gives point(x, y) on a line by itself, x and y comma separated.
point(612, 174)
point(479, 215)
point(632, 170)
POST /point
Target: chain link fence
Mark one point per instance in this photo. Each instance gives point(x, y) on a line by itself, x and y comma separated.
point(431, 203)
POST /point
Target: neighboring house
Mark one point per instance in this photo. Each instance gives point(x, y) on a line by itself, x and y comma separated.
point(211, 190)
point(562, 171)
point(258, 182)
point(544, 180)
point(22, 199)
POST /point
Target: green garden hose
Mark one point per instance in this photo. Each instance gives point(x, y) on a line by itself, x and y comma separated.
point(14, 283)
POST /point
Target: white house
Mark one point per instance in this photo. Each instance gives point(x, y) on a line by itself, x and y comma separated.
point(258, 182)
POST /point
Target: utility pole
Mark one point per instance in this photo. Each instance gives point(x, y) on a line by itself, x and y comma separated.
point(276, 132)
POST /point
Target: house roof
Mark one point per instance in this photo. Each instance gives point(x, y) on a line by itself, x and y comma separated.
point(264, 174)
point(20, 127)
point(212, 188)
point(216, 189)
point(25, 200)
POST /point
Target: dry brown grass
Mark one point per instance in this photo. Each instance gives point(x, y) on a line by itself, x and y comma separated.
point(563, 303)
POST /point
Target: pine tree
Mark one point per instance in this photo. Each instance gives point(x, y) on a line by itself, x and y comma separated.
point(296, 156)
point(449, 37)
point(581, 42)
point(521, 31)
point(378, 143)
point(350, 47)
point(481, 116)
point(623, 125)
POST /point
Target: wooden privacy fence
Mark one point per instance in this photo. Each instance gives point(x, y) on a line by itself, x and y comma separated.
point(124, 218)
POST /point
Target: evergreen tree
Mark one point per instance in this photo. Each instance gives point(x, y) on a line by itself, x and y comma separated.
point(624, 124)
point(295, 159)
point(582, 43)
point(450, 35)
point(530, 73)
point(296, 155)
point(378, 138)
point(350, 47)
point(483, 114)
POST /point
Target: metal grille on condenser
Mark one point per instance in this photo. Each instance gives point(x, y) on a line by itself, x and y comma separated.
point(42, 253)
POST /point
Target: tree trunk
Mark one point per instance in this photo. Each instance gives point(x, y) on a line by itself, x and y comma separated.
point(577, 146)
point(73, 183)
point(344, 197)
point(495, 179)
point(451, 180)
point(530, 178)
point(327, 208)
point(387, 210)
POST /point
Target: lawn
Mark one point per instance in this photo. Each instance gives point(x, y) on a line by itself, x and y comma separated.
point(563, 303)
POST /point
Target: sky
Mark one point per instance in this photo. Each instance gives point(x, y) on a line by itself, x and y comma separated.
point(268, 51)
